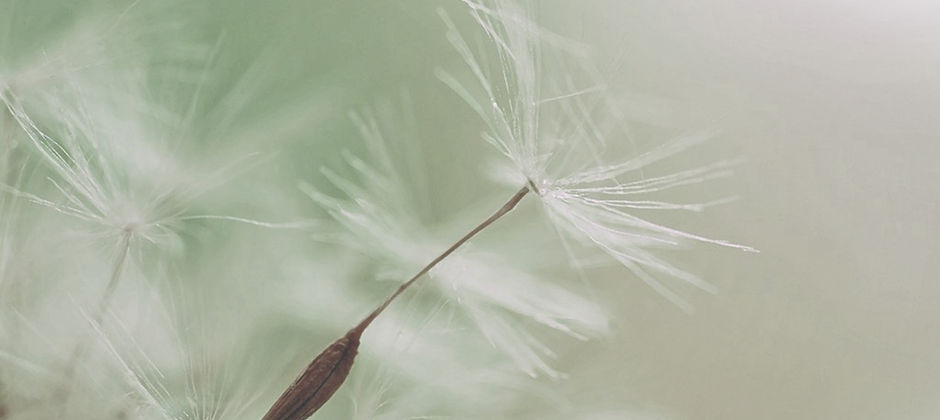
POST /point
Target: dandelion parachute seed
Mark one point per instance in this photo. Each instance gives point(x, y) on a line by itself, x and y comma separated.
point(587, 200)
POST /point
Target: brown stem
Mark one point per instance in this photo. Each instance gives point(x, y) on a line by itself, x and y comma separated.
point(499, 213)
point(327, 372)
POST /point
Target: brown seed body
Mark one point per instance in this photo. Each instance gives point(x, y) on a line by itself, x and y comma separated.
point(323, 376)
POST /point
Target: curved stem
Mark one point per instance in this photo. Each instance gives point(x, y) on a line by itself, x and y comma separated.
point(327, 372)
point(506, 208)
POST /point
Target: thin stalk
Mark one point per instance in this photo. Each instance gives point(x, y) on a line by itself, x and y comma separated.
point(499, 213)
point(104, 303)
point(327, 372)
point(7, 143)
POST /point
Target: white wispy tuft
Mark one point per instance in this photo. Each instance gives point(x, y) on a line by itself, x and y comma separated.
point(558, 135)
point(124, 164)
point(183, 354)
point(111, 177)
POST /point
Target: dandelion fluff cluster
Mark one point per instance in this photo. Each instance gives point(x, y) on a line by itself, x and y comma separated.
point(144, 276)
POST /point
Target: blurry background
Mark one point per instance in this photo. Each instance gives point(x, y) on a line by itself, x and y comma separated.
point(833, 104)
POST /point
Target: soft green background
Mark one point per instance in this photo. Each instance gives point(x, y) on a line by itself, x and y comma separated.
point(832, 102)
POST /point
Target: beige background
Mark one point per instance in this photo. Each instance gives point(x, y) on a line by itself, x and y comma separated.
point(835, 105)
